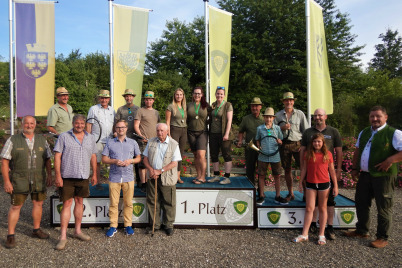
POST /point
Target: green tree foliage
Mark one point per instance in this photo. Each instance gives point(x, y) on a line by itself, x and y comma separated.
point(4, 83)
point(389, 54)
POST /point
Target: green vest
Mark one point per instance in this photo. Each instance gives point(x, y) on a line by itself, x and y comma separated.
point(381, 149)
point(28, 180)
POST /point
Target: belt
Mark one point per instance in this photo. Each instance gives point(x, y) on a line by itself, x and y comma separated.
point(289, 142)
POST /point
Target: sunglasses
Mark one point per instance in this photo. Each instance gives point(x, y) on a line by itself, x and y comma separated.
point(129, 110)
point(149, 95)
point(220, 87)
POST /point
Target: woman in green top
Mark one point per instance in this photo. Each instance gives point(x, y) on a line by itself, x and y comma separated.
point(197, 116)
point(220, 135)
point(176, 117)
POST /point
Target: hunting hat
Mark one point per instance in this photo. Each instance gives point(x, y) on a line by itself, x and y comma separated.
point(288, 96)
point(129, 91)
point(104, 93)
point(61, 91)
point(256, 101)
point(149, 95)
point(269, 111)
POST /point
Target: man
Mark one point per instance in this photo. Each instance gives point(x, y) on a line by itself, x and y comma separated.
point(144, 125)
point(75, 151)
point(378, 150)
point(121, 153)
point(292, 122)
point(60, 115)
point(105, 115)
point(160, 158)
point(249, 125)
point(128, 112)
point(28, 155)
point(333, 141)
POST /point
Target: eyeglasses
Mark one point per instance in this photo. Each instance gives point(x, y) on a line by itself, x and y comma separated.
point(197, 93)
point(121, 127)
point(129, 110)
point(149, 95)
point(220, 87)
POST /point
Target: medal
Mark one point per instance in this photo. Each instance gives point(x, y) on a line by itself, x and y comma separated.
point(196, 110)
point(196, 117)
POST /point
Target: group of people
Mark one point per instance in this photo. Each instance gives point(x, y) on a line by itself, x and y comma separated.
point(133, 140)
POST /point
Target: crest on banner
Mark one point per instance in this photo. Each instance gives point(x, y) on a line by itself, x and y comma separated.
point(36, 60)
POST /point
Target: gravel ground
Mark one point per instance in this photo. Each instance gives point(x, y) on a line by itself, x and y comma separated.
point(194, 247)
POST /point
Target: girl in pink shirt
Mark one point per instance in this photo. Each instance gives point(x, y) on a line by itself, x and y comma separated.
point(318, 162)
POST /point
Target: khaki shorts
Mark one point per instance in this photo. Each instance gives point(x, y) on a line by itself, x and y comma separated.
point(72, 188)
point(19, 199)
point(100, 147)
point(263, 166)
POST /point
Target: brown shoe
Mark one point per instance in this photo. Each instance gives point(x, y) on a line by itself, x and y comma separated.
point(40, 234)
point(355, 234)
point(10, 242)
point(379, 243)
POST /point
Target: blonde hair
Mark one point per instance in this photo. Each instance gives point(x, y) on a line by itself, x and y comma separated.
point(324, 150)
point(183, 101)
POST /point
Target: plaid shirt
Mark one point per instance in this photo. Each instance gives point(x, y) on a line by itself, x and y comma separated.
point(76, 157)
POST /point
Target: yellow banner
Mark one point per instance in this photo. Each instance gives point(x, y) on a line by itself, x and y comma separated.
point(320, 81)
point(220, 41)
point(130, 32)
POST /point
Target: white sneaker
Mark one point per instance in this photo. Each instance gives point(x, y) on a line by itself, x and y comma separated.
point(214, 179)
point(225, 181)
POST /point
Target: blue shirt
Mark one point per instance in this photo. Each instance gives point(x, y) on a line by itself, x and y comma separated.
point(75, 157)
point(115, 149)
point(269, 145)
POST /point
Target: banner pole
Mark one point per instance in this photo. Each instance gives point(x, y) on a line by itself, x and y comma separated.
point(111, 52)
point(308, 61)
point(207, 74)
point(10, 16)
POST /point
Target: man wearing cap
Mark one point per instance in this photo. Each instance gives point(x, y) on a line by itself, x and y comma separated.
point(105, 115)
point(334, 145)
point(293, 123)
point(249, 126)
point(25, 157)
point(145, 126)
point(60, 115)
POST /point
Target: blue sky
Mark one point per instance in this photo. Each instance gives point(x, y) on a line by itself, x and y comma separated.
point(83, 24)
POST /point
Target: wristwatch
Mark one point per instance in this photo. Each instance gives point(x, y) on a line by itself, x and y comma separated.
point(162, 170)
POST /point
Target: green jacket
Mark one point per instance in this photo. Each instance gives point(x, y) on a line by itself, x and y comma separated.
point(28, 180)
point(381, 149)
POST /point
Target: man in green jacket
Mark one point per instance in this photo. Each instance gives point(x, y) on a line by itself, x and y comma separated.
point(378, 150)
point(25, 157)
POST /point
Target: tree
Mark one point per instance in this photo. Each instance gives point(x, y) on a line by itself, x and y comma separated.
point(389, 54)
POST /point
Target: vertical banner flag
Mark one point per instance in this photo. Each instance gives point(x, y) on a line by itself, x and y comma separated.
point(320, 81)
point(35, 57)
point(220, 40)
point(130, 32)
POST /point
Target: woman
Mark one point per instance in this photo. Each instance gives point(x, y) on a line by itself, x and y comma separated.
point(221, 136)
point(176, 117)
point(197, 116)
point(318, 161)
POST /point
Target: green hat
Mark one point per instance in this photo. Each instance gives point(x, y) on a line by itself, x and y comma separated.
point(256, 101)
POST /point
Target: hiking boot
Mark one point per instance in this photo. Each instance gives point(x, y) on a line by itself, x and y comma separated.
point(111, 232)
point(40, 234)
point(225, 181)
point(169, 231)
point(214, 179)
point(355, 234)
point(129, 230)
point(313, 228)
point(330, 233)
point(281, 200)
point(260, 200)
point(290, 197)
point(10, 242)
point(379, 243)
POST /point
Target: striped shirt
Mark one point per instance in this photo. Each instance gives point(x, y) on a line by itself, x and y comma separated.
point(76, 157)
point(115, 149)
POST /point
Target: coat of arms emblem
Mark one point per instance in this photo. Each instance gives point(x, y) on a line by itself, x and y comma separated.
point(36, 60)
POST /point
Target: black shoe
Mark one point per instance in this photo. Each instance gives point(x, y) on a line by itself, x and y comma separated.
point(260, 200)
point(281, 200)
point(313, 228)
point(143, 187)
point(169, 231)
point(290, 197)
point(330, 234)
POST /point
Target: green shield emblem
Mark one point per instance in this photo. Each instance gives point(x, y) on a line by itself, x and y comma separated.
point(59, 208)
point(240, 207)
point(138, 208)
point(347, 216)
point(274, 216)
point(219, 61)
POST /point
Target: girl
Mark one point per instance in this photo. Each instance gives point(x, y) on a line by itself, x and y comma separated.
point(317, 162)
point(176, 117)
